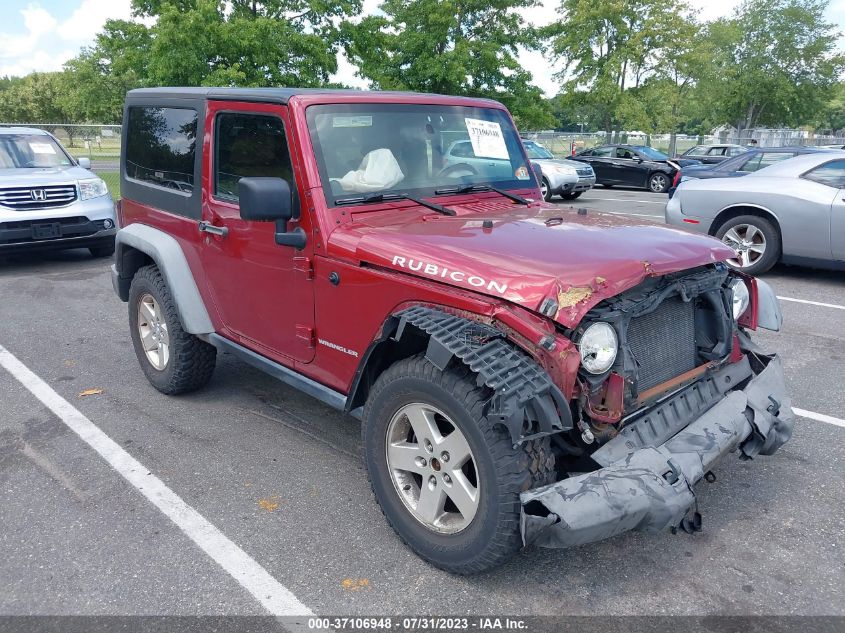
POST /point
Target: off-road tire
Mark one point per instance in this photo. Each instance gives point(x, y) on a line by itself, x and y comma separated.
point(102, 250)
point(571, 195)
point(773, 241)
point(192, 360)
point(493, 536)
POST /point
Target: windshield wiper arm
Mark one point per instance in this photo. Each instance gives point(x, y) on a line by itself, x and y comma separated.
point(471, 188)
point(382, 197)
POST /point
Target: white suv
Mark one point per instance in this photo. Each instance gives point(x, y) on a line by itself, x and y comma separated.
point(48, 199)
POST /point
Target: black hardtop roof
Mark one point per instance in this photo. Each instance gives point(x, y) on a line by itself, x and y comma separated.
point(268, 95)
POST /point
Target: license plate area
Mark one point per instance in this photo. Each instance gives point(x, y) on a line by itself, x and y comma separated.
point(46, 231)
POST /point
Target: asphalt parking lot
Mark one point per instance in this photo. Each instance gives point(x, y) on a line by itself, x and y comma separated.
point(280, 476)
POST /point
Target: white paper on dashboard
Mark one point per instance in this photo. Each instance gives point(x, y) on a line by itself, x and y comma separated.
point(42, 148)
point(486, 138)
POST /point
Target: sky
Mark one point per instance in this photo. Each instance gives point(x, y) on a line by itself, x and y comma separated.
point(40, 35)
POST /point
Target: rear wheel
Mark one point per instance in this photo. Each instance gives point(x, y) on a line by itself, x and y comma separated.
point(659, 182)
point(756, 241)
point(173, 360)
point(447, 480)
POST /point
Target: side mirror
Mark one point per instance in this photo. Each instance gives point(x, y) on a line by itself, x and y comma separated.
point(84, 162)
point(270, 200)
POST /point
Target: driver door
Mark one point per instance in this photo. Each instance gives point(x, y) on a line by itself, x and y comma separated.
point(262, 292)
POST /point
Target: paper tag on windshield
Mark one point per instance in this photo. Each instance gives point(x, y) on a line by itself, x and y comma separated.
point(42, 148)
point(486, 138)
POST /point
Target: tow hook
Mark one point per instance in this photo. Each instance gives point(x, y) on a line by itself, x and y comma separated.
point(586, 433)
point(773, 408)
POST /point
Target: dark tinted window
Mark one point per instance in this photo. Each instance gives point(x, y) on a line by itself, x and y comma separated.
point(621, 152)
point(161, 146)
point(249, 145)
point(604, 151)
point(831, 174)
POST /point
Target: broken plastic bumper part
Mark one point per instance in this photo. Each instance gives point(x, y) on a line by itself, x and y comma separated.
point(650, 468)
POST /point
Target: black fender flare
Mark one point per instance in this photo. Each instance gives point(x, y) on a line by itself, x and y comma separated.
point(525, 401)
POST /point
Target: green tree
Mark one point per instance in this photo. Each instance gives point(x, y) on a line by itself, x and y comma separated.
point(776, 63)
point(609, 47)
point(457, 47)
point(244, 43)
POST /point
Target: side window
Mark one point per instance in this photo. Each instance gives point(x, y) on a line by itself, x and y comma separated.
point(621, 152)
point(161, 147)
point(463, 150)
point(589, 152)
point(770, 158)
point(831, 174)
point(248, 145)
point(735, 151)
point(716, 151)
point(752, 164)
point(698, 150)
point(604, 152)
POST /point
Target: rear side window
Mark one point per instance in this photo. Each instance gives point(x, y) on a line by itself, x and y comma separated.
point(698, 150)
point(831, 174)
point(161, 147)
point(764, 159)
point(249, 145)
point(604, 151)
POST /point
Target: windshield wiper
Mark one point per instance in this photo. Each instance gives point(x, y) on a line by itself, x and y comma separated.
point(471, 188)
point(382, 197)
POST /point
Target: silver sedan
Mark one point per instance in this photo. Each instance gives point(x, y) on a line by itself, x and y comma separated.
point(792, 211)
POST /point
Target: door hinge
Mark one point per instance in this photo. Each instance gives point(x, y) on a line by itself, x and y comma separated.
point(306, 334)
point(303, 265)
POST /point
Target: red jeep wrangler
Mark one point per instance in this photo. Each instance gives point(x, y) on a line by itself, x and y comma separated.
point(524, 373)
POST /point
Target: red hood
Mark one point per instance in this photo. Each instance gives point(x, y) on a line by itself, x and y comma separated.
point(528, 254)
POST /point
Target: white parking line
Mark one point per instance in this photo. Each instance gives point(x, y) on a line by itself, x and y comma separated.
point(276, 598)
point(819, 417)
point(812, 303)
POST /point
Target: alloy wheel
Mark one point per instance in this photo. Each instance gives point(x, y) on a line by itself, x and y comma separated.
point(432, 468)
point(658, 183)
point(748, 241)
point(152, 329)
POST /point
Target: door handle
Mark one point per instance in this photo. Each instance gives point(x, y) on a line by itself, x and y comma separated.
point(220, 231)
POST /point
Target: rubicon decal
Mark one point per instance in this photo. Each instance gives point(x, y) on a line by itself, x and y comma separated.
point(339, 348)
point(441, 272)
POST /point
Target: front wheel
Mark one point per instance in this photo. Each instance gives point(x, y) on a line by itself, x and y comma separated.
point(447, 480)
point(659, 182)
point(756, 242)
point(546, 190)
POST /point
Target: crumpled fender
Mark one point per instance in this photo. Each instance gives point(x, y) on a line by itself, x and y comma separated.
point(651, 487)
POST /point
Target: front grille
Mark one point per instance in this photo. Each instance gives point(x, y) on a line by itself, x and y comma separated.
point(663, 342)
point(46, 197)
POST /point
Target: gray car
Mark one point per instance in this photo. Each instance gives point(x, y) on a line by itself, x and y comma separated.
point(48, 200)
point(792, 211)
point(561, 176)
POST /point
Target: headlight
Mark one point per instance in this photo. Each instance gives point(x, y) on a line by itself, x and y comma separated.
point(598, 346)
point(741, 298)
point(564, 169)
point(93, 188)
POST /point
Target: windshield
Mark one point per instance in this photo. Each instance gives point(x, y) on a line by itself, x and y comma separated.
point(653, 154)
point(31, 150)
point(413, 148)
point(536, 151)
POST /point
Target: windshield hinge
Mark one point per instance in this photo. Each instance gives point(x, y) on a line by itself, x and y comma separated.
point(304, 265)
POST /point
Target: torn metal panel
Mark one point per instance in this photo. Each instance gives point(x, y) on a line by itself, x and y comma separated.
point(646, 485)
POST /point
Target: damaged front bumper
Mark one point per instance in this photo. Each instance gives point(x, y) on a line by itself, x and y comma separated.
point(649, 469)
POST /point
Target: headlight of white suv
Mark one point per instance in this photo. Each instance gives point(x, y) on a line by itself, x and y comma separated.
point(741, 297)
point(93, 188)
point(564, 169)
point(598, 346)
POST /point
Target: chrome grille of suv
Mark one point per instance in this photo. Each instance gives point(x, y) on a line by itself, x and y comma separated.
point(663, 342)
point(46, 197)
